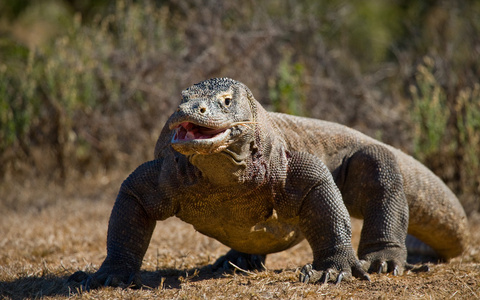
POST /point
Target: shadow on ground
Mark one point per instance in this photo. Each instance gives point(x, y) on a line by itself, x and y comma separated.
point(52, 285)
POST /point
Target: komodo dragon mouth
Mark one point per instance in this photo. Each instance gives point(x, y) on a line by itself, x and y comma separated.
point(190, 138)
point(187, 131)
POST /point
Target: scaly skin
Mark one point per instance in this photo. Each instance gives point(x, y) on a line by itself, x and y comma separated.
point(260, 182)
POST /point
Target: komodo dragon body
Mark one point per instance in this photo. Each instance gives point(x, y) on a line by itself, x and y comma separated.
point(260, 182)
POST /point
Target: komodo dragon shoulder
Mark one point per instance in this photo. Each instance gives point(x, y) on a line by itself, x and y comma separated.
point(261, 182)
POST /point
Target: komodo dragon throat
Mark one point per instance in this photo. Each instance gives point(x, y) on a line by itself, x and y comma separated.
point(260, 182)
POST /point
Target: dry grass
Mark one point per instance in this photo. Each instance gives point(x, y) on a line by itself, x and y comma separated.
point(48, 232)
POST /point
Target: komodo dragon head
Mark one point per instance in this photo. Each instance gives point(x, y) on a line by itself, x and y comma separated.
point(215, 127)
point(213, 115)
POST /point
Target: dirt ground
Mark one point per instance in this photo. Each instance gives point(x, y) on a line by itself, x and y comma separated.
point(48, 232)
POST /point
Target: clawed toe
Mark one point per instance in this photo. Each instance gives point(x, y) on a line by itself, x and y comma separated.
point(306, 273)
point(383, 267)
point(309, 275)
point(396, 271)
point(340, 277)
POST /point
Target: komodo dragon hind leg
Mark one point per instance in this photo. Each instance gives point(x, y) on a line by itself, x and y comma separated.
point(243, 261)
point(374, 190)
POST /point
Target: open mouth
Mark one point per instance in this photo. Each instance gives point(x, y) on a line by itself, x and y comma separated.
point(187, 131)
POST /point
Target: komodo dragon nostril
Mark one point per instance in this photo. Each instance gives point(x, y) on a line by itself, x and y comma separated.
point(203, 109)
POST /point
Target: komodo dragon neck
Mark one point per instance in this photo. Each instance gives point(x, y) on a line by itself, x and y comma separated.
point(228, 166)
point(247, 159)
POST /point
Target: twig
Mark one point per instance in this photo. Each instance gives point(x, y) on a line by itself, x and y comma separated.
point(240, 269)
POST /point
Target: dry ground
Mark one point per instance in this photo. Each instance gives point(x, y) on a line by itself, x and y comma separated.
point(48, 232)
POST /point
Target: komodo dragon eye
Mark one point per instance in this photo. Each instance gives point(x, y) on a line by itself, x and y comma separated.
point(227, 101)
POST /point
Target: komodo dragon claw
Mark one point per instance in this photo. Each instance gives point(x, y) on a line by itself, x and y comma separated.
point(309, 275)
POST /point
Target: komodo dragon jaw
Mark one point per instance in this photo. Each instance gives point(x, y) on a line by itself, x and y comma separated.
point(187, 131)
point(190, 138)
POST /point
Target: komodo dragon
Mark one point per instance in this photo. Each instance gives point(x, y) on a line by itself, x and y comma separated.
point(260, 182)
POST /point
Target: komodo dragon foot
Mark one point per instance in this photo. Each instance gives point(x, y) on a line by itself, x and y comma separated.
point(99, 279)
point(333, 271)
point(244, 261)
point(391, 260)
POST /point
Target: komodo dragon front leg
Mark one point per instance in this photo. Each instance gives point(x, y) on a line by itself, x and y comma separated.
point(130, 229)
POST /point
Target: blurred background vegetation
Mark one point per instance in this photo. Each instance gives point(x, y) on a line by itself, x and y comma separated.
point(85, 86)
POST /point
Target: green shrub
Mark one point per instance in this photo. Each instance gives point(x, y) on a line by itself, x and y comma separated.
point(56, 98)
point(430, 112)
point(286, 90)
point(447, 132)
point(467, 109)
